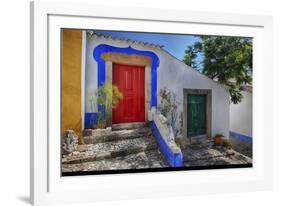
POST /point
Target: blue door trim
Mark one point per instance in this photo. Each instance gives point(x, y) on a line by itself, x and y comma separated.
point(174, 159)
point(90, 120)
point(104, 48)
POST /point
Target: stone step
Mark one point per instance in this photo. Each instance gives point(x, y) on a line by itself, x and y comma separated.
point(147, 159)
point(134, 125)
point(110, 149)
point(116, 135)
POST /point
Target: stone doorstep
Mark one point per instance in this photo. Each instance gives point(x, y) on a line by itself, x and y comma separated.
point(97, 132)
point(134, 125)
point(116, 135)
point(150, 145)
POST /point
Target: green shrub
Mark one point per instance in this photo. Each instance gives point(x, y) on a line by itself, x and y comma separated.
point(227, 143)
point(108, 97)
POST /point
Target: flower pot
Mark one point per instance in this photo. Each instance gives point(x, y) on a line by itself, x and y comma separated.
point(218, 140)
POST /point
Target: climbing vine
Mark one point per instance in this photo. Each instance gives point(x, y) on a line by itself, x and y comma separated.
point(168, 107)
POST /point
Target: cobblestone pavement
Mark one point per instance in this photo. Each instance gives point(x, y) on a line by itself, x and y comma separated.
point(148, 159)
point(205, 153)
point(124, 149)
point(135, 152)
point(112, 149)
point(242, 147)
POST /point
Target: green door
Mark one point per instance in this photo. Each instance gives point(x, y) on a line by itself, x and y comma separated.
point(196, 122)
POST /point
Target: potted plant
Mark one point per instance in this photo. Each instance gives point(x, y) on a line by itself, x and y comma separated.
point(218, 139)
point(108, 96)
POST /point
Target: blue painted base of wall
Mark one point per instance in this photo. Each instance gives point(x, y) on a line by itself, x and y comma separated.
point(91, 120)
point(174, 159)
point(241, 137)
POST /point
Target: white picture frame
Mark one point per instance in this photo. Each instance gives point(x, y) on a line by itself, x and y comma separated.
point(47, 185)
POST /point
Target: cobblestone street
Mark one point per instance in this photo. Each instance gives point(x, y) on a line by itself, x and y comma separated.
point(123, 149)
point(137, 149)
point(205, 153)
point(149, 159)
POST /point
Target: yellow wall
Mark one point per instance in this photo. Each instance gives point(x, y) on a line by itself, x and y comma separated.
point(71, 80)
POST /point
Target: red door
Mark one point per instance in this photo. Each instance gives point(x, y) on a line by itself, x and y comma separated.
point(130, 81)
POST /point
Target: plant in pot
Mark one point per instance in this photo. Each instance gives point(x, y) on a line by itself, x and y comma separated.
point(218, 139)
point(109, 96)
point(226, 142)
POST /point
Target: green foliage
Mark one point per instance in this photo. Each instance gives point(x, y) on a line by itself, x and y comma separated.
point(101, 121)
point(227, 143)
point(227, 60)
point(108, 96)
point(191, 54)
point(165, 102)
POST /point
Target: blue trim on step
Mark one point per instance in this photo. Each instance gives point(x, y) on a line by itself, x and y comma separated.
point(241, 137)
point(174, 159)
point(104, 48)
point(91, 119)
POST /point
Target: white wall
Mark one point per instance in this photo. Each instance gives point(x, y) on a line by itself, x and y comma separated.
point(91, 76)
point(241, 116)
point(175, 75)
point(172, 74)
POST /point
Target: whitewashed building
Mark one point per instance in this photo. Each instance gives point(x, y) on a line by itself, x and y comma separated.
point(161, 70)
point(141, 70)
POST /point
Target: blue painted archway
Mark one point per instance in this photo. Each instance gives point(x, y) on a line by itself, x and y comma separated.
point(104, 48)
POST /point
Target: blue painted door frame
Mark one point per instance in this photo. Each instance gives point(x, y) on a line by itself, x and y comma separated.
point(104, 48)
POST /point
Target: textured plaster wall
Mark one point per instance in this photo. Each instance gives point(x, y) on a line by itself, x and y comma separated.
point(71, 80)
point(241, 116)
point(172, 74)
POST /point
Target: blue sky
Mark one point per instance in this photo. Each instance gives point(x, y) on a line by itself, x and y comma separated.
point(175, 44)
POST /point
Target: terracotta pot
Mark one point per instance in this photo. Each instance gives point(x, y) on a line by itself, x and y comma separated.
point(218, 140)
